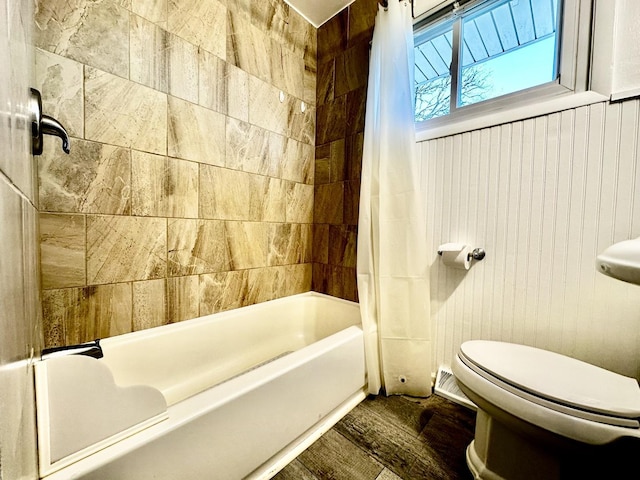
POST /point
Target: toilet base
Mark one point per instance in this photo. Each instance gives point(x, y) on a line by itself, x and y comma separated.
point(477, 467)
point(501, 452)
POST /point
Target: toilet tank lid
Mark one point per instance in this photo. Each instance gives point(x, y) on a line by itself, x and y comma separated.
point(556, 377)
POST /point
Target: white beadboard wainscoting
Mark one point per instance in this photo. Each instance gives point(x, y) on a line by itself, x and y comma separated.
point(543, 197)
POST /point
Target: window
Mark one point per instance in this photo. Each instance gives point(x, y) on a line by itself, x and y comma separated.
point(485, 53)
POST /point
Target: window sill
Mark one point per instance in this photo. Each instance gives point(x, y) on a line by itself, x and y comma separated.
point(551, 105)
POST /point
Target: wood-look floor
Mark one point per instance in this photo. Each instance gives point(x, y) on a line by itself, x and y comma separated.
point(391, 438)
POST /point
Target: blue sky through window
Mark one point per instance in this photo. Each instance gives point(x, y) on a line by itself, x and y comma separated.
point(520, 69)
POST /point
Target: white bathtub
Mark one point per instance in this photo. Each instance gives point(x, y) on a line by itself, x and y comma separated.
point(247, 390)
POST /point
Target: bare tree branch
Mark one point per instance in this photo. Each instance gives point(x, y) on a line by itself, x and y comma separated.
point(432, 97)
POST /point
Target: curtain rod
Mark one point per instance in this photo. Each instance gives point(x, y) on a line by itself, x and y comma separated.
point(385, 5)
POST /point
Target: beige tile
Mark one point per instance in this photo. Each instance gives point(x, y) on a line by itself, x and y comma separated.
point(321, 277)
point(337, 159)
point(121, 112)
point(149, 304)
point(353, 156)
point(183, 67)
point(328, 203)
point(223, 291)
point(249, 148)
point(282, 244)
point(285, 117)
point(352, 68)
point(266, 284)
point(271, 17)
point(163, 61)
point(93, 178)
point(298, 162)
point(351, 202)
point(320, 243)
point(225, 194)
point(343, 283)
point(277, 154)
point(248, 48)
point(326, 81)
point(148, 59)
point(309, 79)
point(310, 46)
point(181, 189)
point(197, 246)
point(240, 8)
point(109, 309)
point(153, 10)
point(62, 250)
point(163, 187)
point(302, 122)
point(239, 154)
point(232, 195)
point(237, 82)
point(298, 278)
point(95, 33)
point(289, 244)
point(287, 70)
point(310, 56)
point(196, 133)
point(212, 82)
point(322, 173)
point(265, 108)
point(53, 318)
point(125, 248)
point(273, 206)
point(77, 315)
point(201, 22)
point(296, 32)
point(306, 241)
point(182, 298)
point(147, 184)
point(331, 120)
point(342, 245)
point(247, 244)
point(60, 81)
point(299, 203)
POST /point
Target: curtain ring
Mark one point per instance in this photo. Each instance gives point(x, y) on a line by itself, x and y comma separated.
point(385, 4)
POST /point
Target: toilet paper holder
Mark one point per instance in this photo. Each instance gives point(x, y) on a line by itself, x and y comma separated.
point(475, 254)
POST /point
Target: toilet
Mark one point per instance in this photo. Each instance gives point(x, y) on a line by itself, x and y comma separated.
point(542, 415)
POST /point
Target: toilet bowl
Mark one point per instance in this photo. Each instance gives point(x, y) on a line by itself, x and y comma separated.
point(542, 415)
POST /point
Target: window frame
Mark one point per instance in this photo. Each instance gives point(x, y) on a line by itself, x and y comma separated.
point(574, 29)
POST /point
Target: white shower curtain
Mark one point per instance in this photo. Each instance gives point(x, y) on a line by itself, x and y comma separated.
point(393, 275)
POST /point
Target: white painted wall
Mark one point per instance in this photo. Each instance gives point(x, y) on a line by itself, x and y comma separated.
point(543, 196)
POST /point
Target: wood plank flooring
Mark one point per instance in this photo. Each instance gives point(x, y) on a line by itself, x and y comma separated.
point(391, 438)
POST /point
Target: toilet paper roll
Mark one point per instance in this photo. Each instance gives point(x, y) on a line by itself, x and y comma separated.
point(455, 255)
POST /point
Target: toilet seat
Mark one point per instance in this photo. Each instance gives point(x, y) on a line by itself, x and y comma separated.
point(555, 381)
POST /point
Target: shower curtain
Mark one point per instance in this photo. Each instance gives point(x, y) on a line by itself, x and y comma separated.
point(393, 275)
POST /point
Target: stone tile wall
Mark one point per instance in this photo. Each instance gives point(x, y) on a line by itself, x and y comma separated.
point(189, 187)
point(343, 65)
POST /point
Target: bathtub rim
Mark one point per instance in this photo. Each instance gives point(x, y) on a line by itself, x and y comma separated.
point(302, 319)
point(192, 322)
point(190, 409)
